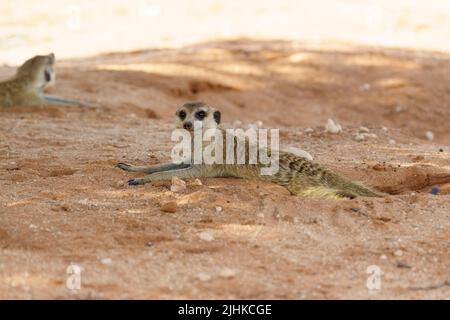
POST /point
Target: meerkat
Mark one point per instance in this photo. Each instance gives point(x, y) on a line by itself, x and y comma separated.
point(26, 87)
point(299, 175)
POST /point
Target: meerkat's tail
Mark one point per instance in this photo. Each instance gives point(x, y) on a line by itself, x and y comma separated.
point(350, 189)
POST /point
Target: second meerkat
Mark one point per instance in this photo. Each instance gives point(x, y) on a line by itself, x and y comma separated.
point(299, 175)
point(26, 87)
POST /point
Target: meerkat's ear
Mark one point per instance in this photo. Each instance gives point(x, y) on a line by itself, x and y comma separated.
point(52, 58)
point(216, 116)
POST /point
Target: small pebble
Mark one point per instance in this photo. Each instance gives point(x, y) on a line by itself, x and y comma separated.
point(206, 235)
point(309, 130)
point(363, 129)
point(106, 261)
point(365, 87)
point(218, 209)
point(383, 257)
point(391, 141)
point(333, 127)
point(360, 137)
point(227, 273)
point(177, 185)
point(170, 207)
point(202, 276)
point(398, 253)
point(429, 135)
point(197, 182)
point(401, 264)
point(435, 190)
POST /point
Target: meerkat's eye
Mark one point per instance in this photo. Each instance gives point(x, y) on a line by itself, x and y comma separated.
point(48, 76)
point(182, 115)
point(200, 115)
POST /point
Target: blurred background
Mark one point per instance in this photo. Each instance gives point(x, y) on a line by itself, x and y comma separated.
point(89, 27)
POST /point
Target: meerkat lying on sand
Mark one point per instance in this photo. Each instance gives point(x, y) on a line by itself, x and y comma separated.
point(26, 88)
point(299, 175)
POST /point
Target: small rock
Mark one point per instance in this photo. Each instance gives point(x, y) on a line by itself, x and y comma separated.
point(259, 124)
point(177, 185)
point(206, 235)
point(365, 87)
point(391, 141)
point(398, 253)
point(170, 207)
point(363, 129)
point(435, 190)
point(149, 244)
point(429, 135)
point(309, 130)
point(197, 182)
point(106, 261)
point(418, 158)
point(202, 276)
point(227, 273)
point(383, 257)
point(384, 128)
point(401, 264)
point(441, 150)
point(398, 109)
point(379, 167)
point(218, 209)
point(360, 137)
point(333, 127)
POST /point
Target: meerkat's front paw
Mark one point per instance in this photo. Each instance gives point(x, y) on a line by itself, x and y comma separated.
point(136, 182)
point(123, 166)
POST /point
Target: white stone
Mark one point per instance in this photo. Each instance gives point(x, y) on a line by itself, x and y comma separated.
point(429, 135)
point(206, 235)
point(363, 129)
point(177, 185)
point(227, 273)
point(333, 127)
point(360, 137)
point(202, 276)
point(398, 253)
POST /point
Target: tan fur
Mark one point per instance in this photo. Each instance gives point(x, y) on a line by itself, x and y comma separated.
point(299, 175)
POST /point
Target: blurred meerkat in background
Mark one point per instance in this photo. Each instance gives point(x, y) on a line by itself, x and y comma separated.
point(26, 87)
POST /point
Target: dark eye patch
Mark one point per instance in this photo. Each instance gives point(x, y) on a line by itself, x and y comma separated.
point(48, 76)
point(216, 115)
point(182, 115)
point(200, 115)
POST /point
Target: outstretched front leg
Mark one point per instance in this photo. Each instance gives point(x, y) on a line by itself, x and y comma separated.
point(193, 171)
point(67, 102)
point(152, 169)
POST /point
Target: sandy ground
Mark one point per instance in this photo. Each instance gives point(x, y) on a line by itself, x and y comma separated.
point(63, 202)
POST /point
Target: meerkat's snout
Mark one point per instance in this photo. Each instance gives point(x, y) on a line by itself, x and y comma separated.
point(188, 125)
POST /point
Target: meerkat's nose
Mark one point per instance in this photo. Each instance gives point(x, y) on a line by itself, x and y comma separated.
point(187, 125)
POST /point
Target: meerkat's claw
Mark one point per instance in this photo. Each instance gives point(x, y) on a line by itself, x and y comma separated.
point(123, 166)
point(135, 182)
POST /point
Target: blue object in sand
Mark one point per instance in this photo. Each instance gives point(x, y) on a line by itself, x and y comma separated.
point(435, 190)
